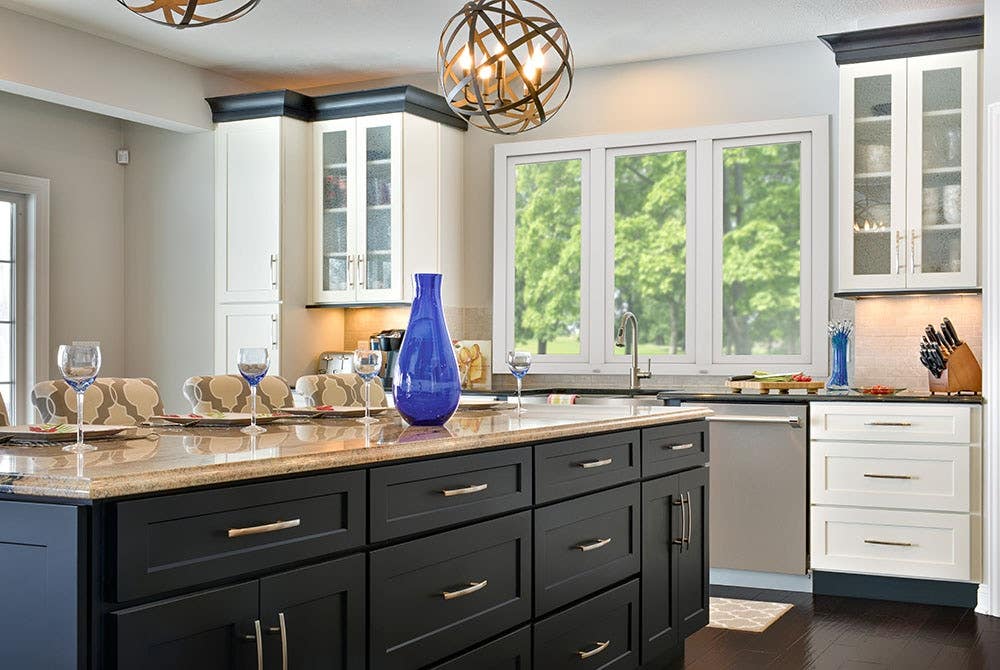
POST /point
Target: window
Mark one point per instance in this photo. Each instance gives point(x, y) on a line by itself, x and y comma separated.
point(715, 238)
point(12, 210)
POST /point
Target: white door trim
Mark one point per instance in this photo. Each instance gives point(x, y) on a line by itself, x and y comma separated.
point(38, 358)
point(989, 602)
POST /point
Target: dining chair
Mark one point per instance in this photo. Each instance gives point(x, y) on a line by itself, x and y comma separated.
point(341, 390)
point(115, 401)
point(231, 393)
point(4, 414)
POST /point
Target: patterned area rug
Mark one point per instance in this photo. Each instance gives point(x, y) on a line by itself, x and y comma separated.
point(752, 616)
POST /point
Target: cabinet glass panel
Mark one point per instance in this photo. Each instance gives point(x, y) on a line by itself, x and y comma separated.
point(941, 195)
point(378, 203)
point(873, 239)
point(335, 186)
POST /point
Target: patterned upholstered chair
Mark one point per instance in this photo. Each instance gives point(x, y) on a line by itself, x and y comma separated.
point(116, 401)
point(231, 393)
point(4, 414)
point(344, 390)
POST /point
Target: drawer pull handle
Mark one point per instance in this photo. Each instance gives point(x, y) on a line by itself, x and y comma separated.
point(471, 588)
point(259, 640)
point(680, 503)
point(792, 421)
point(597, 544)
point(875, 476)
point(601, 646)
point(266, 528)
point(596, 464)
point(475, 488)
point(681, 447)
point(280, 630)
point(887, 543)
point(898, 424)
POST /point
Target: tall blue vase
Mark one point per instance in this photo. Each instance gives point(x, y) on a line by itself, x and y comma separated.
point(425, 382)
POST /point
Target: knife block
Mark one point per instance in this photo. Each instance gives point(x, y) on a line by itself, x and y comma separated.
point(962, 374)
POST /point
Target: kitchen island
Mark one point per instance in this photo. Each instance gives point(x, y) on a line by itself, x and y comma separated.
point(561, 535)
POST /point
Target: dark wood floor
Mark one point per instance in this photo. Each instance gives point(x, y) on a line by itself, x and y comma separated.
point(831, 633)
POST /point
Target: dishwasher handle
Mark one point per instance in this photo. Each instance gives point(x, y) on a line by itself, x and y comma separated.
point(793, 421)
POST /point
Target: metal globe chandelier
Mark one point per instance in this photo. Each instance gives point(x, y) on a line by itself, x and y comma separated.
point(505, 65)
point(187, 14)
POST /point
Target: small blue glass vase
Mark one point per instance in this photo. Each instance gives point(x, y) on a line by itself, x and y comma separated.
point(425, 382)
point(841, 333)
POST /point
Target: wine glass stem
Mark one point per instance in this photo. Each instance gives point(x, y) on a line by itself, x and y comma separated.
point(519, 410)
point(253, 406)
point(368, 398)
point(79, 418)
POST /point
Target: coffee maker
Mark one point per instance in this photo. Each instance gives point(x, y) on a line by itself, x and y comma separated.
point(388, 342)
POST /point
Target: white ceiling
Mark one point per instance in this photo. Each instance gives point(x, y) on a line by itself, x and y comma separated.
point(301, 43)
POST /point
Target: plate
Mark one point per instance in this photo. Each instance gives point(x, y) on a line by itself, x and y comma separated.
point(868, 390)
point(332, 411)
point(216, 420)
point(484, 404)
point(62, 432)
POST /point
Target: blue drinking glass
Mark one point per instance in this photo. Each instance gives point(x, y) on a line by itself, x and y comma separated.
point(253, 363)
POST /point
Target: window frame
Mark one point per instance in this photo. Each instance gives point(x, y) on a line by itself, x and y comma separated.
point(702, 207)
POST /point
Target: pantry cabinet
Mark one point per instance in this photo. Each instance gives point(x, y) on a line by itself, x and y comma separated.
point(909, 165)
point(385, 201)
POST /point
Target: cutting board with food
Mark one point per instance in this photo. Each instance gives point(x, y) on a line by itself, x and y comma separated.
point(764, 383)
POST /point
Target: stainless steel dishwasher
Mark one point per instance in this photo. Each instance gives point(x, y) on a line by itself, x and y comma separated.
point(759, 508)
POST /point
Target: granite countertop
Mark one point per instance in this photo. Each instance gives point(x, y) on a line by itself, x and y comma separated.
point(149, 460)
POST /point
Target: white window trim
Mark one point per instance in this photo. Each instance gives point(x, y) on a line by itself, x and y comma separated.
point(34, 358)
point(704, 139)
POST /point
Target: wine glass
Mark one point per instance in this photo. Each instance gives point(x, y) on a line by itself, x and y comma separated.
point(519, 362)
point(79, 365)
point(367, 363)
point(253, 363)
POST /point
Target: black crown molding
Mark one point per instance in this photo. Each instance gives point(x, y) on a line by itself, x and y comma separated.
point(914, 39)
point(296, 105)
point(876, 293)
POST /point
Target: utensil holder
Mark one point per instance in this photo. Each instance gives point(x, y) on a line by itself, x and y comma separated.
point(962, 374)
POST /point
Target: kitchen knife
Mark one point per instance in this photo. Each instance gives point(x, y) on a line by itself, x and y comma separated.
point(948, 327)
point(946, 338)
point(932, 334)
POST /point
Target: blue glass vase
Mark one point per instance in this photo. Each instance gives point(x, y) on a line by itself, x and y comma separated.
point(425, 382)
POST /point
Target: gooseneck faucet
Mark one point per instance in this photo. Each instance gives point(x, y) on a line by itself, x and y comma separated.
point(635, 373)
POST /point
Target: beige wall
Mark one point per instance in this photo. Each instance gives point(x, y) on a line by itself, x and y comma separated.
point(76, 151)
point(169, 257)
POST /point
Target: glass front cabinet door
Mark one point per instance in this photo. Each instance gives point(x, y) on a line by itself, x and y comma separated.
point(357, 231)
point(908, 165)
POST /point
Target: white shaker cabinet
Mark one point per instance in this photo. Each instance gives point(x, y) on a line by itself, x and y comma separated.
point(246, 325)
point(909, 166)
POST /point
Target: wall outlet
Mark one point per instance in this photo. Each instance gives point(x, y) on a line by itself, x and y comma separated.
point(122, 156)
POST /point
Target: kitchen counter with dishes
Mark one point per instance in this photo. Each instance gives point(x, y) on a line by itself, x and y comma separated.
point(725, 395)
point(166, 458)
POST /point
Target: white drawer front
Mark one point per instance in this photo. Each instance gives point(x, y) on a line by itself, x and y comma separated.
point(891, 422)
point(932, 478)
point(883, 542)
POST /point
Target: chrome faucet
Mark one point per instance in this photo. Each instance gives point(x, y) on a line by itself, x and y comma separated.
point(635, 373)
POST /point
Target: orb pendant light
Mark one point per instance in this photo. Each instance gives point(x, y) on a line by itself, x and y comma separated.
point(505, 65)
point(190, 13)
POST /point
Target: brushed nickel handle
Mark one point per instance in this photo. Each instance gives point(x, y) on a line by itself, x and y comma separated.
point(471, 588)
point(361, 270)
point(266, 528)
point(601, 646)
point(680, 503)
point(792, 421)
point(899, 241)
point(596, 464)
point(914, 264)
point(259, 639)
point(690, 517)
point(350, 271)
point(871, 475)
point(597, 544)
point(280, 630)
point(681, 447)
point(475, 488)
point(274, 270)
point(274, 331)
point(899, 424)
point(887, 543)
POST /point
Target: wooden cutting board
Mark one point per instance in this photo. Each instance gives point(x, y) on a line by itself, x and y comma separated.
point(765, 387)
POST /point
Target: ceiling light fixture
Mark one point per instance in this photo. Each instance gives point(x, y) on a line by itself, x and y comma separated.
point(504, 69)
point(185, 14)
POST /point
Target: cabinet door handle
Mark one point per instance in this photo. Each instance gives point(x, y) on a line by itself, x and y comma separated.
point(899, 424)
point(274, 270)
point(361, 270)
point(871, 475)
point(681, 447)
point(266, 528)
point(280, 630)
point(680, 503)
point(597, 544)
point(690, 518)
point(899, 241)
point(887, 543)
point(596, 464)
point(258, 638)
point(475, 488)
point(792, 421)
point(274, 331)
point(471, 588)
point(914, 263)
point(601, 646)
point(350, 271)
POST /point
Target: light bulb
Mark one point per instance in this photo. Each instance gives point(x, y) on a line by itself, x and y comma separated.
point(465, 60)
point(485, 72)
